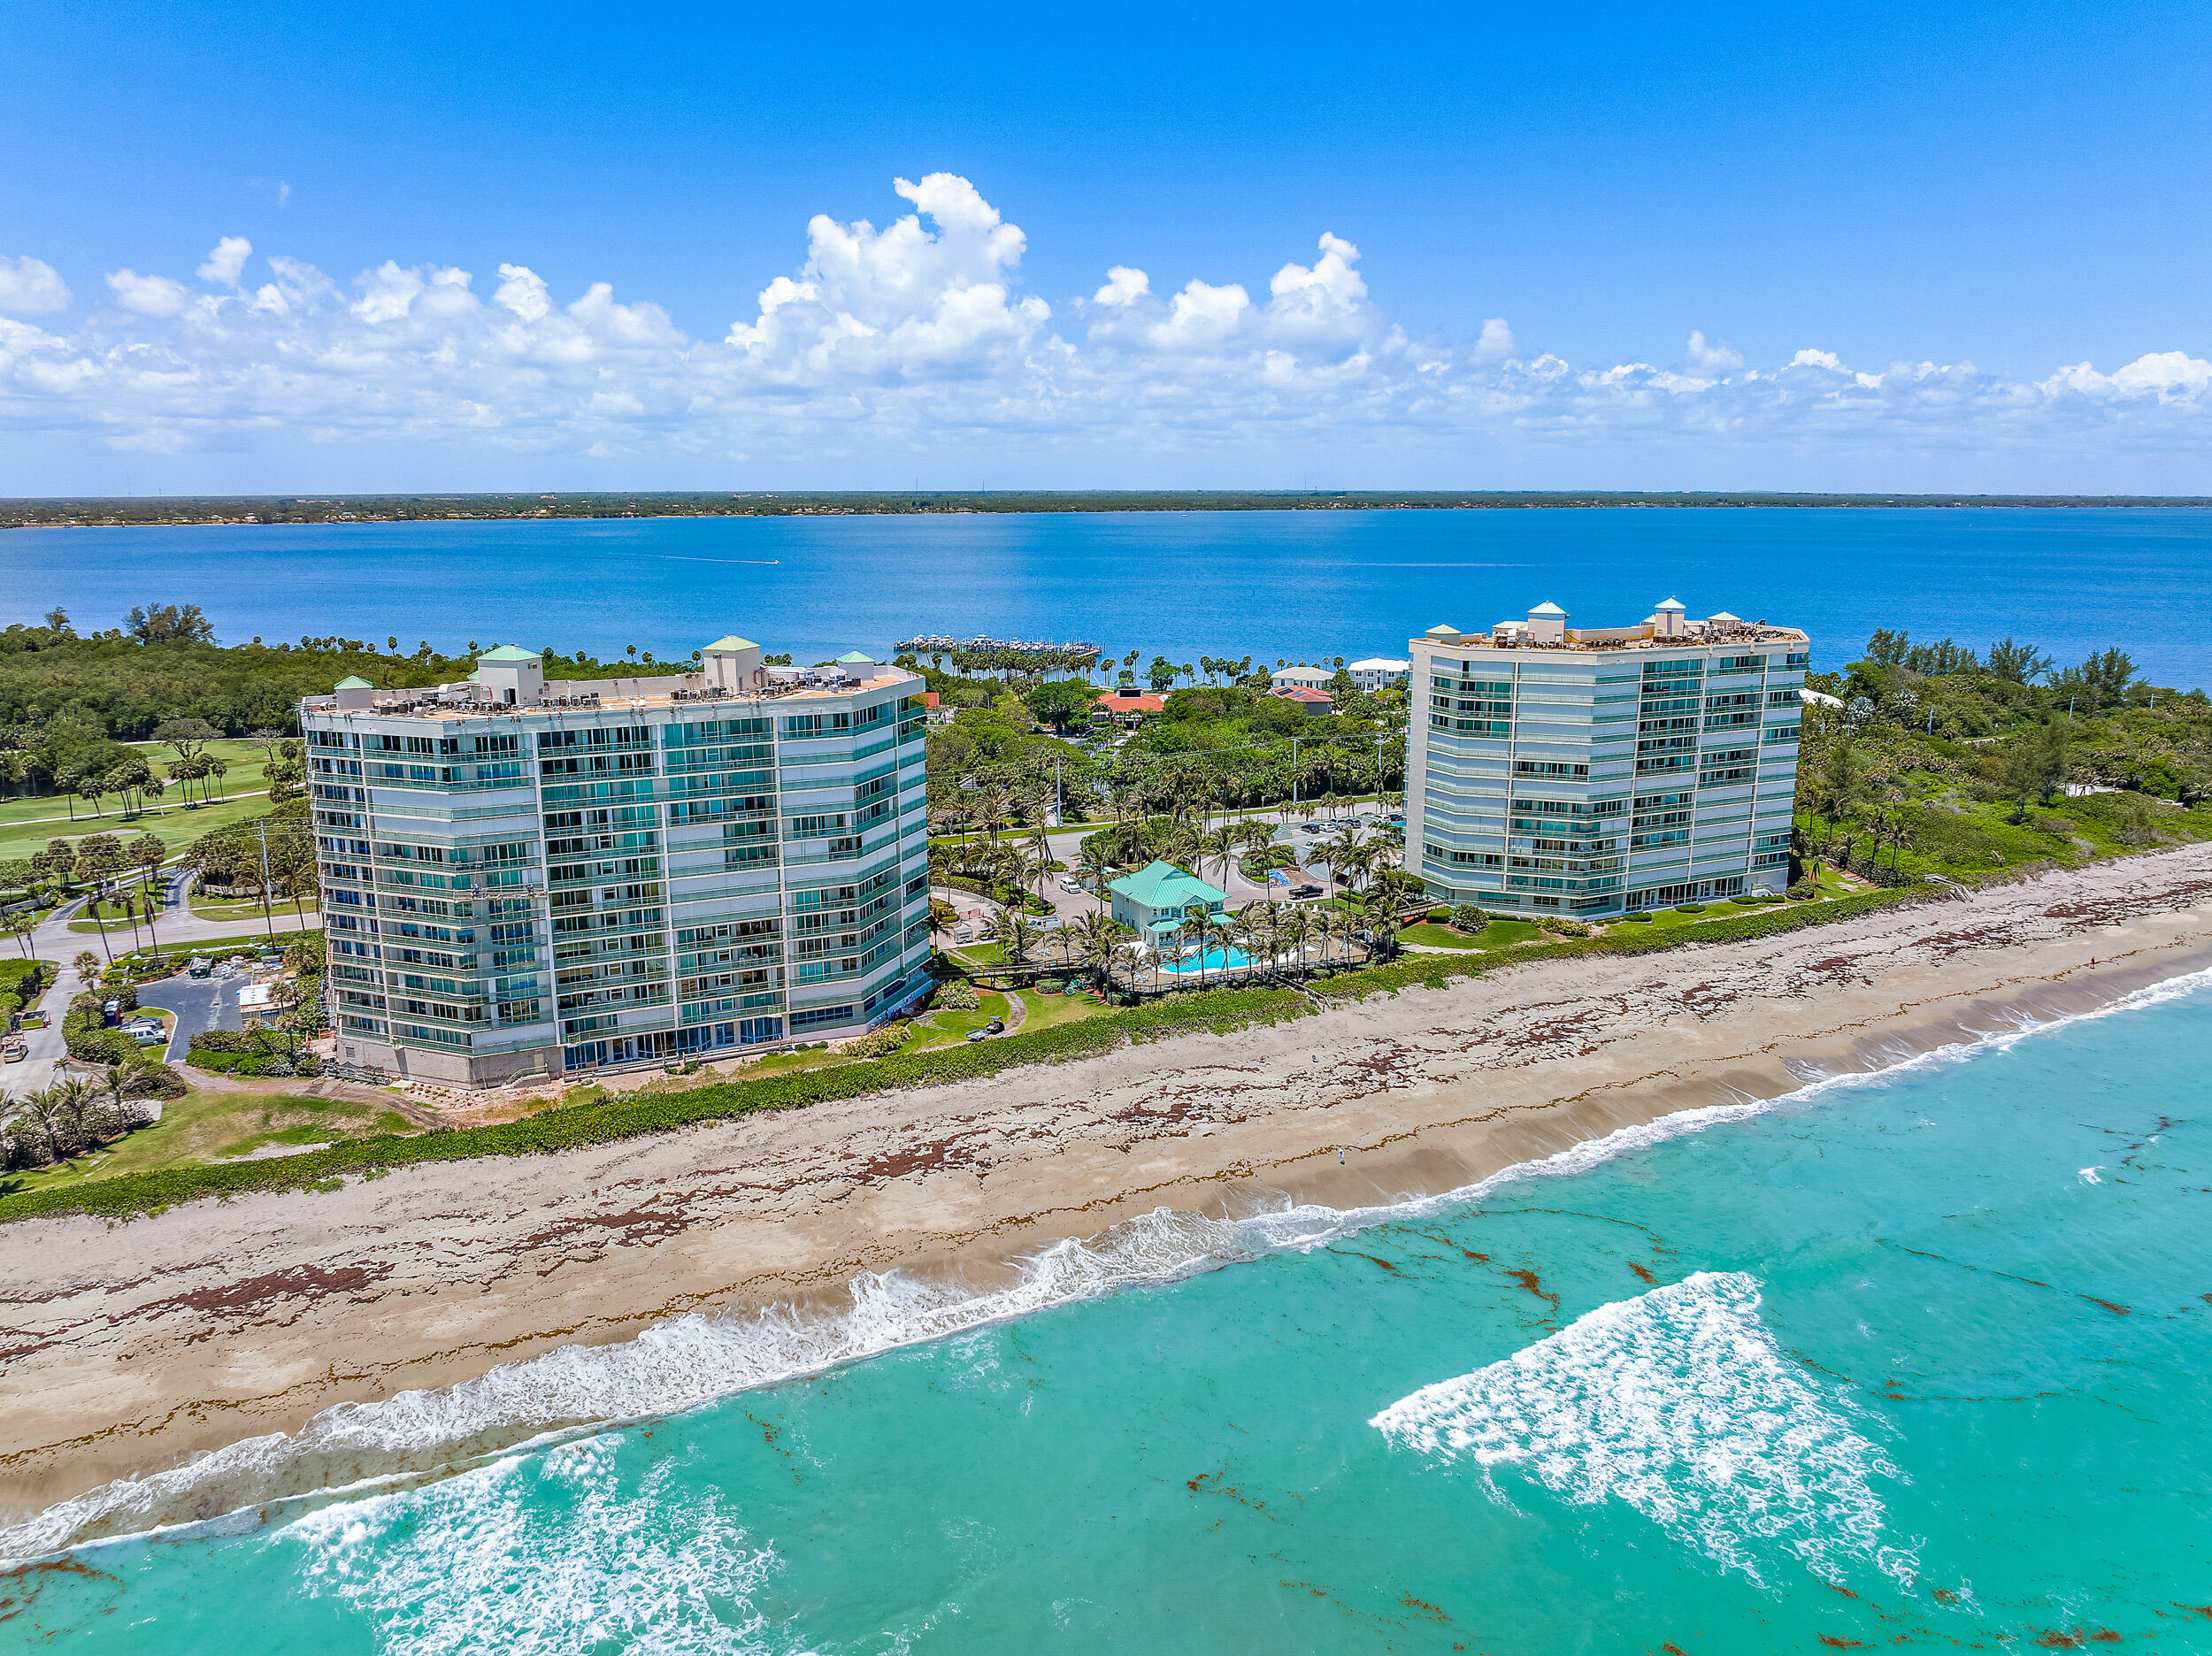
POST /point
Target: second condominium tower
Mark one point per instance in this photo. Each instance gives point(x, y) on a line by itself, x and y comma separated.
point(530, 876)
point(1603, 770)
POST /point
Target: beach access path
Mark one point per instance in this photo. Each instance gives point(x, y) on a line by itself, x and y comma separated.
point(130, 1347)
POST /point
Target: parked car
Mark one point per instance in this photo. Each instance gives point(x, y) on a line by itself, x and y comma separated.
point(14, 1052)
point(996, 1026)
point(976, 1035)
point(153, 1037)
point(1306, 890)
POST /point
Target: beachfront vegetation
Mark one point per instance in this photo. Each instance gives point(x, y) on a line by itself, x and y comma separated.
point(596, 1118)
point(1942, 763)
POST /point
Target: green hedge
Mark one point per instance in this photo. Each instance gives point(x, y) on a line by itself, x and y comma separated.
point(88, 1038)
point(1219, 1010)
point(1433, 971)
point(1185, 1012)
point(252, 1064)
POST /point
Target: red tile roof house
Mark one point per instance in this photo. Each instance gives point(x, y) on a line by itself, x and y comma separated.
point(1129, 705)
point(1312, 700)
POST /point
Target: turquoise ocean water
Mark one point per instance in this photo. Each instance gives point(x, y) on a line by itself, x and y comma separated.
point(1303, 585)
point(1919, 1361)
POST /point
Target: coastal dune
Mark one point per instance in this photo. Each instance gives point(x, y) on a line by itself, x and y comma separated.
point(727, 1254)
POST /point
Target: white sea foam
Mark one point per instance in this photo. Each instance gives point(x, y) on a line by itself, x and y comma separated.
point(696, 1359)
point(1678, 1404)
point(548, 1553)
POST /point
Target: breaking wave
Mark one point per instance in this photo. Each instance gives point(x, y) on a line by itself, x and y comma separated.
point(355, 1448)
point(1678, 1404)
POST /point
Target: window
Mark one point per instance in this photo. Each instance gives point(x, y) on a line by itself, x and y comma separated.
point(816, 1015)
point(1549, 768)
point(1464, 859)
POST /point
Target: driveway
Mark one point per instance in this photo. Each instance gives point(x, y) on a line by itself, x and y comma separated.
point(200, 1003)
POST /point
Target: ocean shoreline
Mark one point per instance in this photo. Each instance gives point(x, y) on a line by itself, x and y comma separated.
point(136, 1346)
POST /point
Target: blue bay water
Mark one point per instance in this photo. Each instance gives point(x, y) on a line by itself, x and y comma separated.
point(1924, 1359)
point(1301, 585)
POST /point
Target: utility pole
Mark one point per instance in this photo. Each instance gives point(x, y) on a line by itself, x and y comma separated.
point(262, 829)
point(1059, 799)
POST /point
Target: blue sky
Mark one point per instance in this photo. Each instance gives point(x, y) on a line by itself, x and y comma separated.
point(1962, 205)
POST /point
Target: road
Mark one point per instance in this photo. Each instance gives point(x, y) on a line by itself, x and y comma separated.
point(53, 941)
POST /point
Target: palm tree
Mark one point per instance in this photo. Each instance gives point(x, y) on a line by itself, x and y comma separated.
point(1199, 927)
point(1218, 845)
point(1345, 850)
point(1381, 919)
point(1094, 862)
point(1254, 837)
point(87, 966)
point(1099, 939)
point(1296, 929)
point(1015, 933)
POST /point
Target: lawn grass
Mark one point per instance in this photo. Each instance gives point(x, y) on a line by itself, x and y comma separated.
point(172, 822)
point(949, 1028)
point(232, 751)
point(204, 1128)
point(248, 909)
point(1048, 1011)
point(1497, 935)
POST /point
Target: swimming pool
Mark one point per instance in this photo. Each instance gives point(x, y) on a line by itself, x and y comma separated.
point(1213, 960)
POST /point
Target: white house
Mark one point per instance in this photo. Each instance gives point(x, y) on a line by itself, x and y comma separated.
point(1379, 672)
point(1304, 677)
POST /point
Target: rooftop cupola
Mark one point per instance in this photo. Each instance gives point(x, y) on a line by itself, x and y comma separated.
point(733, 663)
point(511, 675)
point(1667, 620)
point(1548, 624)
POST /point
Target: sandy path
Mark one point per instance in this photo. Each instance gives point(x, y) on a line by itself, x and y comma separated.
point(128, 1347)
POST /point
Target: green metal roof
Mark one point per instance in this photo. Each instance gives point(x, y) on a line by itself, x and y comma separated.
point(852, 655)
point(509, 652)
point(733, 642)
point(1159, 885)
point(353, 683)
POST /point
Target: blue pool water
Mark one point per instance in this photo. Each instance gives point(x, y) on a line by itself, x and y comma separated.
point(1300, 584)
point(1923, 1361)
point(1213, 960)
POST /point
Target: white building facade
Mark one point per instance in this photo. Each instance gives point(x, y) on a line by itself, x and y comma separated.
point(1379, 672)
point(1300, 678)
point(1603, 771)
point(523, 877)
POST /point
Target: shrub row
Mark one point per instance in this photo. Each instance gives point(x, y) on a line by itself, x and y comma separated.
point(222, 1061)
point(1185, 1012)
point(1219, 1010)
point(1435, 970)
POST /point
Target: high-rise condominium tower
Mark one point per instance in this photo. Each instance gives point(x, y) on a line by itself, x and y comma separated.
point(1603, 770)
point(526, 877)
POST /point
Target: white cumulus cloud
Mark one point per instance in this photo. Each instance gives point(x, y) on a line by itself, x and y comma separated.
point(30, 287)
point(919, 337)
point(1710, 359)
point(226, 263)
point(148, 295)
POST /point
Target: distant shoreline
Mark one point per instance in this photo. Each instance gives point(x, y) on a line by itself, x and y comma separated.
point(127, 512)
